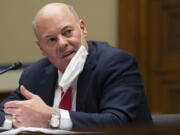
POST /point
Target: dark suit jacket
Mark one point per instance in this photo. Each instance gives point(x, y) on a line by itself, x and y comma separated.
point(109, 92)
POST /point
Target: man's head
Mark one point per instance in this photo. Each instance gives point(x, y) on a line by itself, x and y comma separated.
point(59, 33)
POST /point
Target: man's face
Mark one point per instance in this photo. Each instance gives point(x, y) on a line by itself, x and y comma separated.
point(59, 38)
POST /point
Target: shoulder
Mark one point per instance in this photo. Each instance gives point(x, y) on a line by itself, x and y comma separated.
point(110, 61)
point(104, 52)
point(37, 72)
point(38, 65)
point(37, 69)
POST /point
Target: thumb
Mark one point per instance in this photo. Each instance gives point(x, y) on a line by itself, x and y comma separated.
point(27, 94)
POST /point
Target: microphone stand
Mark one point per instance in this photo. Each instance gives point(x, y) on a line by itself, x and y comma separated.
point(14, 66)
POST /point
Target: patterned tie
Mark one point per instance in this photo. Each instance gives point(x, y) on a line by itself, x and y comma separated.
point(66, 100)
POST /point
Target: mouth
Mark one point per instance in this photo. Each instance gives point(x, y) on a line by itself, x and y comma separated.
point(69, 55)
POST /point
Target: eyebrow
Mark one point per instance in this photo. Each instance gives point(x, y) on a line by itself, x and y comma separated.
point(46, 36)
point(66, 27)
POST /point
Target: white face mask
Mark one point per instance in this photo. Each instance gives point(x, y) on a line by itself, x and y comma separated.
point(74, 68)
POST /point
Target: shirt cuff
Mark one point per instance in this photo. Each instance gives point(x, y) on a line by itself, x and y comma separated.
point(65, 121)
point(7, 124)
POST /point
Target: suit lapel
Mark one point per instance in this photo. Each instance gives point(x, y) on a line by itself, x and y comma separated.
point(84, 77)
point(48, 84)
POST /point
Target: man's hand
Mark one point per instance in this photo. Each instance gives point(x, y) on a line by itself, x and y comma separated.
point(32, 112)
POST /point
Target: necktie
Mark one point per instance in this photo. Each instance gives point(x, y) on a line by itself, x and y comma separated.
point(66, 99)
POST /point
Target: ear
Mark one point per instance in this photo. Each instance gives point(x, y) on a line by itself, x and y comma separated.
point(83, 28)
point(39, 45)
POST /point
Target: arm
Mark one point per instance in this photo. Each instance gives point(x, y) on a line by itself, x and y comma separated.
point(122, 98)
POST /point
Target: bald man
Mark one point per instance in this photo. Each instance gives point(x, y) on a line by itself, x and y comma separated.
point(103, 84)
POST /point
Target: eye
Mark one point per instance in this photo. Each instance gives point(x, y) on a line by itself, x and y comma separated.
point(51, 40)
point(67, 32)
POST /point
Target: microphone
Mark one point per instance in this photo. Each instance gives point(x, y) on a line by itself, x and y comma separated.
point(14, 66)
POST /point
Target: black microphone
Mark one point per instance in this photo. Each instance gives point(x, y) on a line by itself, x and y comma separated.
point(14, 66)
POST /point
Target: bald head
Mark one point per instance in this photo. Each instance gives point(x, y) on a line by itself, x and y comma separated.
point(53, 10)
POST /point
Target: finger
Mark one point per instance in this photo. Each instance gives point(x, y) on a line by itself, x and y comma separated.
point(27, 94)
point(11, 111)
point(16, 123)
point(8, 117)
point(13, 104)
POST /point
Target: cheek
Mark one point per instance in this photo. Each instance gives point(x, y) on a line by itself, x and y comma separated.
point(76, 41)
point(49, 52)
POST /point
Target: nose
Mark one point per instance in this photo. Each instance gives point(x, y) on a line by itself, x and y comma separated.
point(62, 42)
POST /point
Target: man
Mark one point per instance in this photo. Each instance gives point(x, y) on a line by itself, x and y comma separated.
point(105, 85)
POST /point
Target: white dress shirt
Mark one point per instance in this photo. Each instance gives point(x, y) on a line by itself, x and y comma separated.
point(66, 80)
point(65, 122)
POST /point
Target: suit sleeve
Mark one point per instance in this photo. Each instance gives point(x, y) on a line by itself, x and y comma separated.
point(13, 96)
point(16, 95)
point(122, 101)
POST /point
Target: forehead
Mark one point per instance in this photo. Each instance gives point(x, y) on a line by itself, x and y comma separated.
point(54, 18)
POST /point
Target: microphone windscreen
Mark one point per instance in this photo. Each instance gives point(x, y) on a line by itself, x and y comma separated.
point(16, 65)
